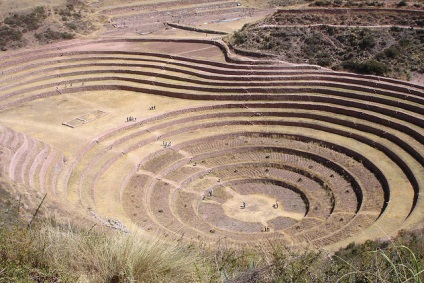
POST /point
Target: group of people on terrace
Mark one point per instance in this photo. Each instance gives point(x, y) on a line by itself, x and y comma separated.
point(166, 144)
point(210, 193)
point(266, 229)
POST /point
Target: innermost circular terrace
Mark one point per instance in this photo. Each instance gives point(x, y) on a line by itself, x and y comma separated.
point(261, 208)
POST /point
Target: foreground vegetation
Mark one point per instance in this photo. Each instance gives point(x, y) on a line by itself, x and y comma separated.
point(52, 253)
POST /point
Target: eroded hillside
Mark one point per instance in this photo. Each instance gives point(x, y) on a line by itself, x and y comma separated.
point(370, 41)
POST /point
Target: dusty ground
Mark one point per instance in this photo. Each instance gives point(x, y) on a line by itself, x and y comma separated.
point(417, 78)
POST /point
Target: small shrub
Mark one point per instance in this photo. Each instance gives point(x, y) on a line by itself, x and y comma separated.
point(372, 67)
point(49, 35)
point(325, 62)
point(65, 13)
point(8, 34)
point(71, 26)
point(321, 3)
point(395, 29)
point(392, 52)
point(367, 42)
point(402, 3)
point(66, 35)
point(239, 38)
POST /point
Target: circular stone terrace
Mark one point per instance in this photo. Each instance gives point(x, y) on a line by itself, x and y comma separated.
point(182, 140)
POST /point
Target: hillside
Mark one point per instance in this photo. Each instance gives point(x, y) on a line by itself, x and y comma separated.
point(408, 4)
point(45, 24)
point(370, 41)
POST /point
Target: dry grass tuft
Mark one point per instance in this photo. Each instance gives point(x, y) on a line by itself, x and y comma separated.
point(116, 257)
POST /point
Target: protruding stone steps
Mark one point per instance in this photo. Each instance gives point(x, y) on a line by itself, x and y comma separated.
point(251, 74)
point(32, 162)
point(145, 12)
point(138, 57)
point(35, 168)
point(163, 5)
